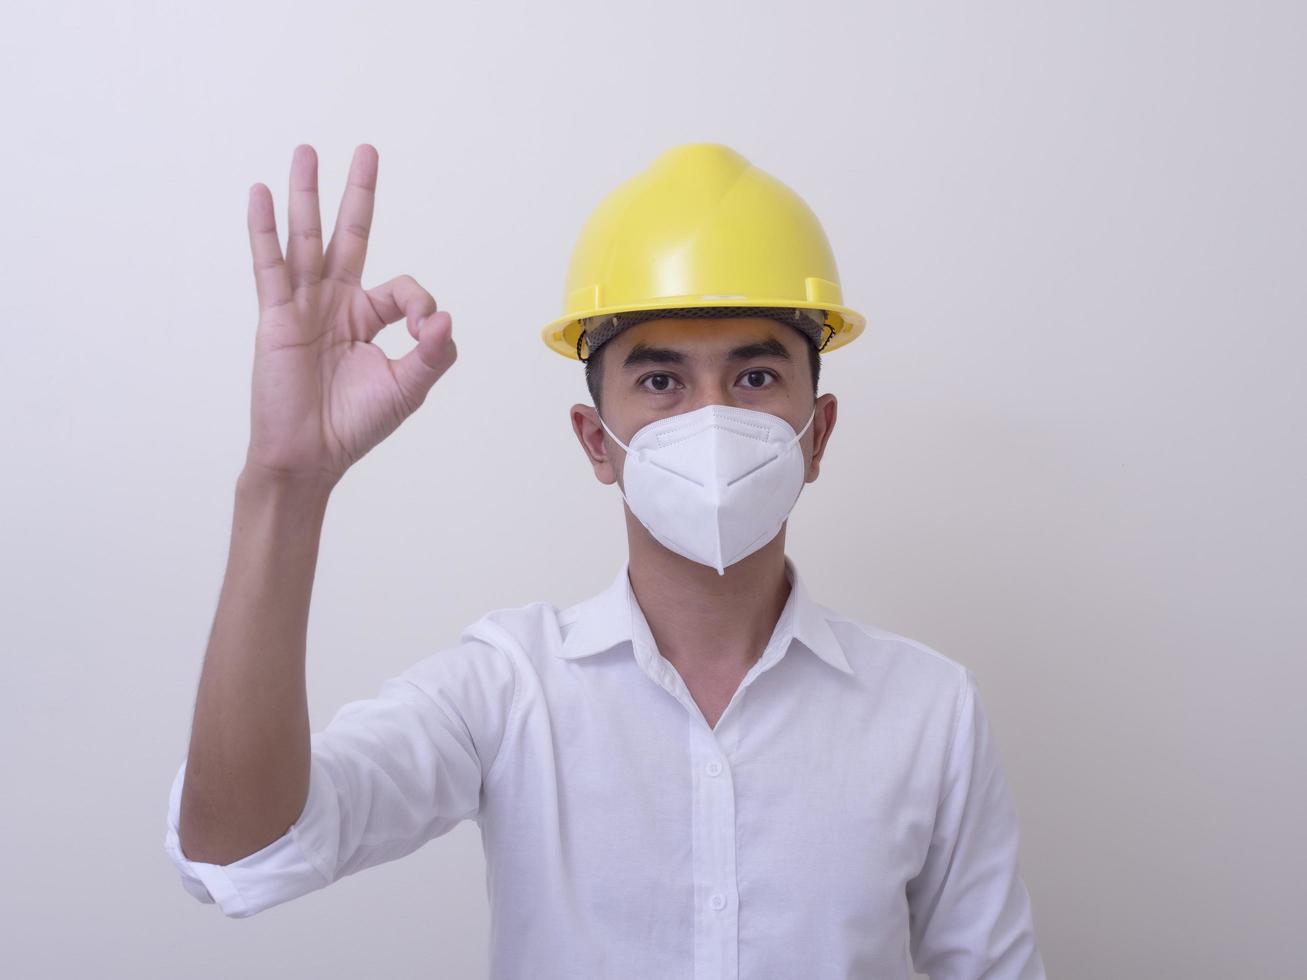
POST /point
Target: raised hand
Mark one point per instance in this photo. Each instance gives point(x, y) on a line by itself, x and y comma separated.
point(323, 394)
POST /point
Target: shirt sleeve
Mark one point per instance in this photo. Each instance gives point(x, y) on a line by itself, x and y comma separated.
point(969, 911)
point(386, 775)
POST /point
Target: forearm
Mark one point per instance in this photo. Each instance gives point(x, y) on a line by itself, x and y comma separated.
point(247, 771)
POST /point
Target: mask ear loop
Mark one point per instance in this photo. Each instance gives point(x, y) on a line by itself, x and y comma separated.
point(626, 449)
point(796, 439)
point(831, 328)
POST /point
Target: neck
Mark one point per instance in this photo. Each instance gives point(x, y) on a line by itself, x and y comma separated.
point(704, 622)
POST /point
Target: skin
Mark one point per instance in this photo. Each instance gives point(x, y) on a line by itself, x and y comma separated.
point(712, 628)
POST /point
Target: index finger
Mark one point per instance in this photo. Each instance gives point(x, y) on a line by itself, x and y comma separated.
point(349, 239)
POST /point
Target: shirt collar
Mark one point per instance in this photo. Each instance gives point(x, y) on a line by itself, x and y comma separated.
point(607, 619)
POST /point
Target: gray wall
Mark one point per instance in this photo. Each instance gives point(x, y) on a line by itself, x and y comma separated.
point(1068, 452)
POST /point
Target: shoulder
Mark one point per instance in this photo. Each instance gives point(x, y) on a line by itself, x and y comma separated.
point(519, 631)
point(503, 644)
point(901, 662)
point(485, 649)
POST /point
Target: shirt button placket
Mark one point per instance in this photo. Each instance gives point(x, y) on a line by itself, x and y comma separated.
point(716, 920)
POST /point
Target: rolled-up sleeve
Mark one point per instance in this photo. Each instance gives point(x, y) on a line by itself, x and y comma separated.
point(969, 911)
point(386, 775)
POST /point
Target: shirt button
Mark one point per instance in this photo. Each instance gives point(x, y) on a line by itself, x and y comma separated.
point(713, 768)
point(718, 901)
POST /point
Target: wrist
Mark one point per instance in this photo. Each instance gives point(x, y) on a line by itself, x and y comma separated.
point(307, 489)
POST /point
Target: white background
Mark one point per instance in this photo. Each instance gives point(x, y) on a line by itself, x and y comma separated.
point(1069, 451)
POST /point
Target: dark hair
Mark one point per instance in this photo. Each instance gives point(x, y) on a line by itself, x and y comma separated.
point(594, 367)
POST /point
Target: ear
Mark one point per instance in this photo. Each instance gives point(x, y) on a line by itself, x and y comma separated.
point(590, 433)
point(823, 422)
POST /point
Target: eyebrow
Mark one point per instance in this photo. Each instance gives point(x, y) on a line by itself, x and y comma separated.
point(642, 353)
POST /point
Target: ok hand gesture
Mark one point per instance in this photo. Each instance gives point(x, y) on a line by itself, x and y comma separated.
point(323, 393)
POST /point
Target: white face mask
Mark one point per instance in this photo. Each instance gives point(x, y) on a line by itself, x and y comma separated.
point(715, 484)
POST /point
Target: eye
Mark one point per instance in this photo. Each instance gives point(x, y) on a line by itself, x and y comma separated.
point(663, 382)
point(755, 375)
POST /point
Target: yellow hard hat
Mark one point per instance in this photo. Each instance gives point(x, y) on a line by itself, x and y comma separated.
point(701, 227)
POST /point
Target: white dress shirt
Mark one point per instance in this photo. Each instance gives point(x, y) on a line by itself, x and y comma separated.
point(848, 810)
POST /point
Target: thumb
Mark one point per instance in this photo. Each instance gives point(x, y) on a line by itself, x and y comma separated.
point(419, 369)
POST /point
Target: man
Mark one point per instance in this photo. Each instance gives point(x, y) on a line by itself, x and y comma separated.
point(698, 772)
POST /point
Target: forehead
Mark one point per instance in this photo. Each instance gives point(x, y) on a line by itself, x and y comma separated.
point(705, 337)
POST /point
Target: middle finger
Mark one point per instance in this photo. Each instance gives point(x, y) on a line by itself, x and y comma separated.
point(304, 241)
point(349, 239)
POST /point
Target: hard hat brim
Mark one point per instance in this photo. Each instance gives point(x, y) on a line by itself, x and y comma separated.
point(561, 335)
